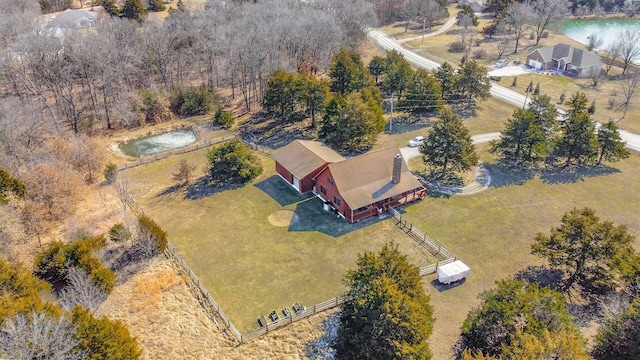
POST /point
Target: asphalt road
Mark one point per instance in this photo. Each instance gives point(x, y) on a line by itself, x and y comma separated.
point(497, 91)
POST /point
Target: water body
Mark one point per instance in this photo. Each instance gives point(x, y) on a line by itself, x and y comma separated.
point(606, 29)
point(158, 143)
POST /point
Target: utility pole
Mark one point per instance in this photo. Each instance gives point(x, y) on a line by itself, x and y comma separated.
point(391, 116)
point(424, 23)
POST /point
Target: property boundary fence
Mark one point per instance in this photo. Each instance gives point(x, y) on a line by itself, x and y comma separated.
point(147, 159)
point(443, 255)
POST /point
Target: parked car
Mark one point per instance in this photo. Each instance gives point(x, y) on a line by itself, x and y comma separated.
point(502, 63)
point(416, 141)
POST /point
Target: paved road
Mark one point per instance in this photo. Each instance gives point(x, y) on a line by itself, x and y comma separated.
point(446, 26)
point(497, 91)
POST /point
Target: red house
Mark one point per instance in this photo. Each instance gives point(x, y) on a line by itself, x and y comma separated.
point(300, 161)
point(357, 188)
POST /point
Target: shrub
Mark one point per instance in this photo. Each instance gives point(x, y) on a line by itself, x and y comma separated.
point(10, 184)
point(224, 118)
point(456, 47)
point(233, 162)
point(119, 233)
point(192, 101)
point(53, 263)
point(110, 173)
point(592, 108)
point(515, 81)
point(611, 102)
point(151, 238)
point(479, 54)
point(154, 109)
point(537, 89)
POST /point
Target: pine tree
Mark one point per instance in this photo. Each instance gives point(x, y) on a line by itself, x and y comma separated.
point(578, 139)
point(387, 313)
point(449, 145)
point(522, 140)
point(133, 9)
point(423, 95)
point(610, 145)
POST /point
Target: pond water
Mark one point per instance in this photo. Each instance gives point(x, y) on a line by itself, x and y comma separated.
point(158, 143)
point(606, 29)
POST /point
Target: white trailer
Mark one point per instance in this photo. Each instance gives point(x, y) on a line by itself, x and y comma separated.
point(452, 272)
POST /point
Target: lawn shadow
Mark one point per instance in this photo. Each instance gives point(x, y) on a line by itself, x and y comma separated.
point(502, 175)
point(171, 190)
point(572, 174)
point(541, 275)
point(280, 191)
point(205, 187)
point(444, 287)
point(310, 216)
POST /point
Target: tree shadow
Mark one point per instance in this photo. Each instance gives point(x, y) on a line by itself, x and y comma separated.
point(171, 190)
point(126, 261)
point(502, 175)
point(205, 187)
point(444, 287)
point(541, 275)
point(310, 216)
point(280, 191)
point(572, 174)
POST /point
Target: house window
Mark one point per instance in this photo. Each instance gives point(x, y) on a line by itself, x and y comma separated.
point(323, 190)
point(330, 182)
point(336, 201)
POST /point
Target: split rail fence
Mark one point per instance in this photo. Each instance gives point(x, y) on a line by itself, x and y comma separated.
point(443, 255)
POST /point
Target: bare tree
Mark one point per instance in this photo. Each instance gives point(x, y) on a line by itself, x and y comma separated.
point(545, 12)
point(629, 86)
point(594, 41)
point(628, 45)
point(184, 172)
point(81, 290)
point(467, 32)
point(610, 56)
point(517, 18)
point(39, 336)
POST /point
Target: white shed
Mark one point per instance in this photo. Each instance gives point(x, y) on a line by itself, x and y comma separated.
point(452, 272)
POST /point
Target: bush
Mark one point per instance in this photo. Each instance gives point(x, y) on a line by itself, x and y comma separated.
point(10, 184)
point(479, 54)
point(224, 118)
point(119, 233)
point(151, 238)
point(233, 162)
point(53, 263)
point(456, 47)
point(193, 101)
point(110, 173)
point(154, 109)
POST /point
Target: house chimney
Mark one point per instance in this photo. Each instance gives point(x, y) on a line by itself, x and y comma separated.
point(397, 169)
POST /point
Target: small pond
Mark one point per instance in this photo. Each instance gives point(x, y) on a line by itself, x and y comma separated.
point(606, 29)
point(158, 143)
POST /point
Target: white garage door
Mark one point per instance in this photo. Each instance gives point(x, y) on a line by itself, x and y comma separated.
point(535, 64)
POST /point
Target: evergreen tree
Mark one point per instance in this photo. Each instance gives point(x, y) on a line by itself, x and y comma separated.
point(281, 95)
point(522, 140)
point(103, 339)
point(578, 140)
point(377, 67)
point(509, 311)
point(387, 314)
point(133, 9)
point(313, 95)
point(233, 162)
point(398, 73)
point(449, 145)
point(610, 145)
point(348, 73)
point(353, 122)
point(586, 250)
point(546, 115)
point(462, 88)
point(9, 184)
point(423, 95)
point(156, 5)
point(619, 337)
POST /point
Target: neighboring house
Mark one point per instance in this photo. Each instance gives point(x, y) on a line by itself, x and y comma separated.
point(566, 58)
point(475, 5)
point(357, 188)
point(299, 162)
point(72, 19)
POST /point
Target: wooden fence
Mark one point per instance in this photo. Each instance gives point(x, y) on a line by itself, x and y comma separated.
point(443, 255)
point(293, 317)
point(146, 159)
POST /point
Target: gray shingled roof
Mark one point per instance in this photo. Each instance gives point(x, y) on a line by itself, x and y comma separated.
point(578, 57)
